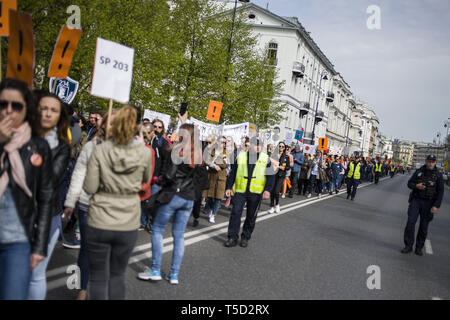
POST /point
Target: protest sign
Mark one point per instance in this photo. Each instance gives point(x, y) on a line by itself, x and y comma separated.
point(21, 47)
point(310, 149)
point(214, 110)
point(323, 144)
point(63, 53)
point(152, 115)
point(65, 89)
point(6, 5)
point(237, 131)
point(299, 135)
point(113, 70)
point(207, 129)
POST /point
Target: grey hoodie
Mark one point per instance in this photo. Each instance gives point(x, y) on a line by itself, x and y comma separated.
point(114, 177)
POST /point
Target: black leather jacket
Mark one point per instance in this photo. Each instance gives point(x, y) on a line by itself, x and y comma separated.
point(60, 161)
point(35, 213)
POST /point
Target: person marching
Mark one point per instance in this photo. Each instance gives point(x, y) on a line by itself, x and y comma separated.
point(354, 177)
point(427, 186)
point(253, 164)
point(392, 169)
point(282, 162)
point(377, 169)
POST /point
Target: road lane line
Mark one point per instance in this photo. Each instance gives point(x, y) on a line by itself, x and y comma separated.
point(428, 248)
point(205, 233)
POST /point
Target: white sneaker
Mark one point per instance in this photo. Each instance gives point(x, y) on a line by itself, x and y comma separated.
point(277, 208)
point(309, 195)
point(212, 219)
point(283, 196)
point(272, 210)
point(320, 195)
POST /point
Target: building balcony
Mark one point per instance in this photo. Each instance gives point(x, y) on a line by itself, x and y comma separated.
point(319, 116)
point(298, 69)
point(330, 97)
point(304, 109)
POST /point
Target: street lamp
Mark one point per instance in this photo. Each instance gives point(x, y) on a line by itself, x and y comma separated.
point(323, 76)
point(229, 51)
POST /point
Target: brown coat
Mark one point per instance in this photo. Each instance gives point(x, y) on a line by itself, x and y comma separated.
point(217, 180)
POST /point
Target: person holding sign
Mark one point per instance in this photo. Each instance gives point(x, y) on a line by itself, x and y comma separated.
point(115, 207)
point(26, 190)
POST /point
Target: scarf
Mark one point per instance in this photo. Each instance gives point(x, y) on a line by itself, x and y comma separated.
point(19, 138)
point(52, 138)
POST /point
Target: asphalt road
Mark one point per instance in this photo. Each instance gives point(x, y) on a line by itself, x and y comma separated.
point(314, 249)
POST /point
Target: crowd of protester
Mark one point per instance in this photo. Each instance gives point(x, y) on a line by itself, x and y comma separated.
point(115, 174)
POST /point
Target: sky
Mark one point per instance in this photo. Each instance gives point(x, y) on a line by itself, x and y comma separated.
point(401, 70)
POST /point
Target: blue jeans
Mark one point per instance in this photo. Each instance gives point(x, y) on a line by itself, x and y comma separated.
point(83, 261)
point(15, 271)
point(318, 182)
point(38, 283)
point(181, 210)
point(339, 179)
point(212, 204)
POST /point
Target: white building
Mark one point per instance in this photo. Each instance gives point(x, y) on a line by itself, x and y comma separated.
point(300, 63)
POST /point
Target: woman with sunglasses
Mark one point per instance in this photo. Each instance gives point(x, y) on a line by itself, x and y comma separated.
point(54, 123)
point(26, 190)
point(282, 163)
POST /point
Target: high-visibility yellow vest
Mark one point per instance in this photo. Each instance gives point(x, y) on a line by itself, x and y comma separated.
point(258, 180)
point(357, 172)
point(378, 167)
point(393, 168)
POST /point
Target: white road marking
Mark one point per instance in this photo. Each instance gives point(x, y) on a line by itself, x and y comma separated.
point(428, 248)
point(436, 298)
point(205, 233)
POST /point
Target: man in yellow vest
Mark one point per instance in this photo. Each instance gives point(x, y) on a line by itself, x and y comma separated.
point(392, 169)
point(253, 179)
point(353, 177)
point(377, 168)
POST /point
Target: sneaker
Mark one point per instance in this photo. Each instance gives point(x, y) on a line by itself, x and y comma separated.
point(195, 223)
point(309, 195)
point(141, 228)
point(283, 196)
point(212, 218)
point(230, 243)
point(331, 192)
point(173, 279)
point(272, 210)
point(75, 244)
point(337, 191)
point(277, 208)
point(319, 195)
point(150, 274)
point(244, 243)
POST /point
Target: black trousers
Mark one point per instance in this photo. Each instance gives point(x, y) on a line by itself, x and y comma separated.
point(352, 186)
point(303, 186)
point(196, 208)
point(108, 255)
point(294, 182)
point(239, 199)
point(377, 177)
point(418, 207)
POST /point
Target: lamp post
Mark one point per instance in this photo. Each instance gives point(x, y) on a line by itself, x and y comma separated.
point(323, 76)
point(230, 42)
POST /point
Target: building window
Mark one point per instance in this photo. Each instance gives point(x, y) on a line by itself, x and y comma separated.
point(272, 53)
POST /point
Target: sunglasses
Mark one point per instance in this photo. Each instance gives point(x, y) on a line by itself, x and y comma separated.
point(16, 106)
point(158, 127)
point(208, 142)
point(281, 147)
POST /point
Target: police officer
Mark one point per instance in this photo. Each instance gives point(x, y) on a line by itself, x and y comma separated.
point(427, 186)
point(377, 169)
point(253, 179)
point(353, 177)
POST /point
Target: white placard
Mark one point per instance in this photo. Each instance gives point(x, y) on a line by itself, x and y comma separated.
point(237, 131)
point(207, 129)
point(152, 115)
point(113, 70)
point(307, 148)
